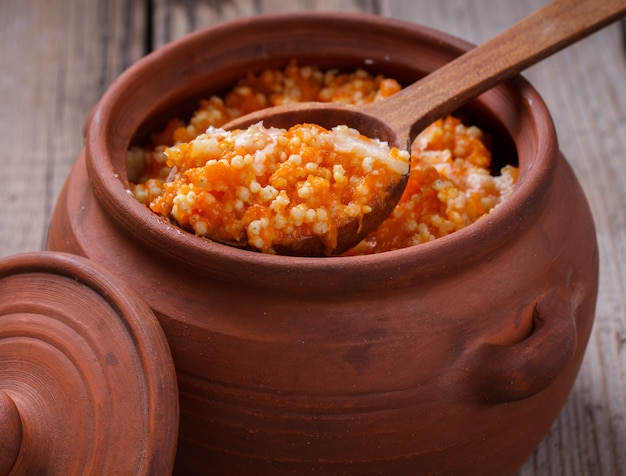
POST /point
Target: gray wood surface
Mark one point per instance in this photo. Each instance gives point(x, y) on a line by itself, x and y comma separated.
point(57, 58)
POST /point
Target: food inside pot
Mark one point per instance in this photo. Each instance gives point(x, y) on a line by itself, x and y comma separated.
point(266, 188)
point(222, 185)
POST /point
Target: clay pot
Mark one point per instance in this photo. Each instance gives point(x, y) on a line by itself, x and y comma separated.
point(450, 357)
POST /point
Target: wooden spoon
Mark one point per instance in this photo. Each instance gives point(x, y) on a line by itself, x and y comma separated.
point(399, 118)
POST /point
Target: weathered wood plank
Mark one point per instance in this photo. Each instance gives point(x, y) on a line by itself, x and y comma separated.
point(57, 58)
point(174, 19)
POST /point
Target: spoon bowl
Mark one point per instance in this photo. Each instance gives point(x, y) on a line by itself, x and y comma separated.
point(350, 234)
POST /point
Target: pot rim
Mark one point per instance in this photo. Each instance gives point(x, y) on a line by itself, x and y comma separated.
point(537, 151)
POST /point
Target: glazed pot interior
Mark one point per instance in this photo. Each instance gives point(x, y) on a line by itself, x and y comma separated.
point(170, 82)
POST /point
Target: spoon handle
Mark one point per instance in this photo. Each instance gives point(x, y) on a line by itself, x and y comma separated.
point(546, 31)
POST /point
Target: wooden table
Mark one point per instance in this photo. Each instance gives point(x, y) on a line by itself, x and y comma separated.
point(58, 56)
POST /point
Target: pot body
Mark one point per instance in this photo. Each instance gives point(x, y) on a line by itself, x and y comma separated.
point(451, 357)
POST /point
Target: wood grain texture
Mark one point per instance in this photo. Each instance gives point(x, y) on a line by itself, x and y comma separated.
point(172, 19)
point(58, 57)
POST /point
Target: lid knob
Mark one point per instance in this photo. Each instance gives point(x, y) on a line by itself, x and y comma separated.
point(11, 431)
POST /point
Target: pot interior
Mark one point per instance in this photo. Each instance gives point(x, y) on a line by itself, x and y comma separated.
point(171, 81)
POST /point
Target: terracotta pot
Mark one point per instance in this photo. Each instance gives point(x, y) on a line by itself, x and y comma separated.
point(445, 358)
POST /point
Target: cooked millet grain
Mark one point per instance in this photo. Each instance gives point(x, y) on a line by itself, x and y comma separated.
point(450, 185)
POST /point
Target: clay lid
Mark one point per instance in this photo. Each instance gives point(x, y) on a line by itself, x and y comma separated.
point(87, 382)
